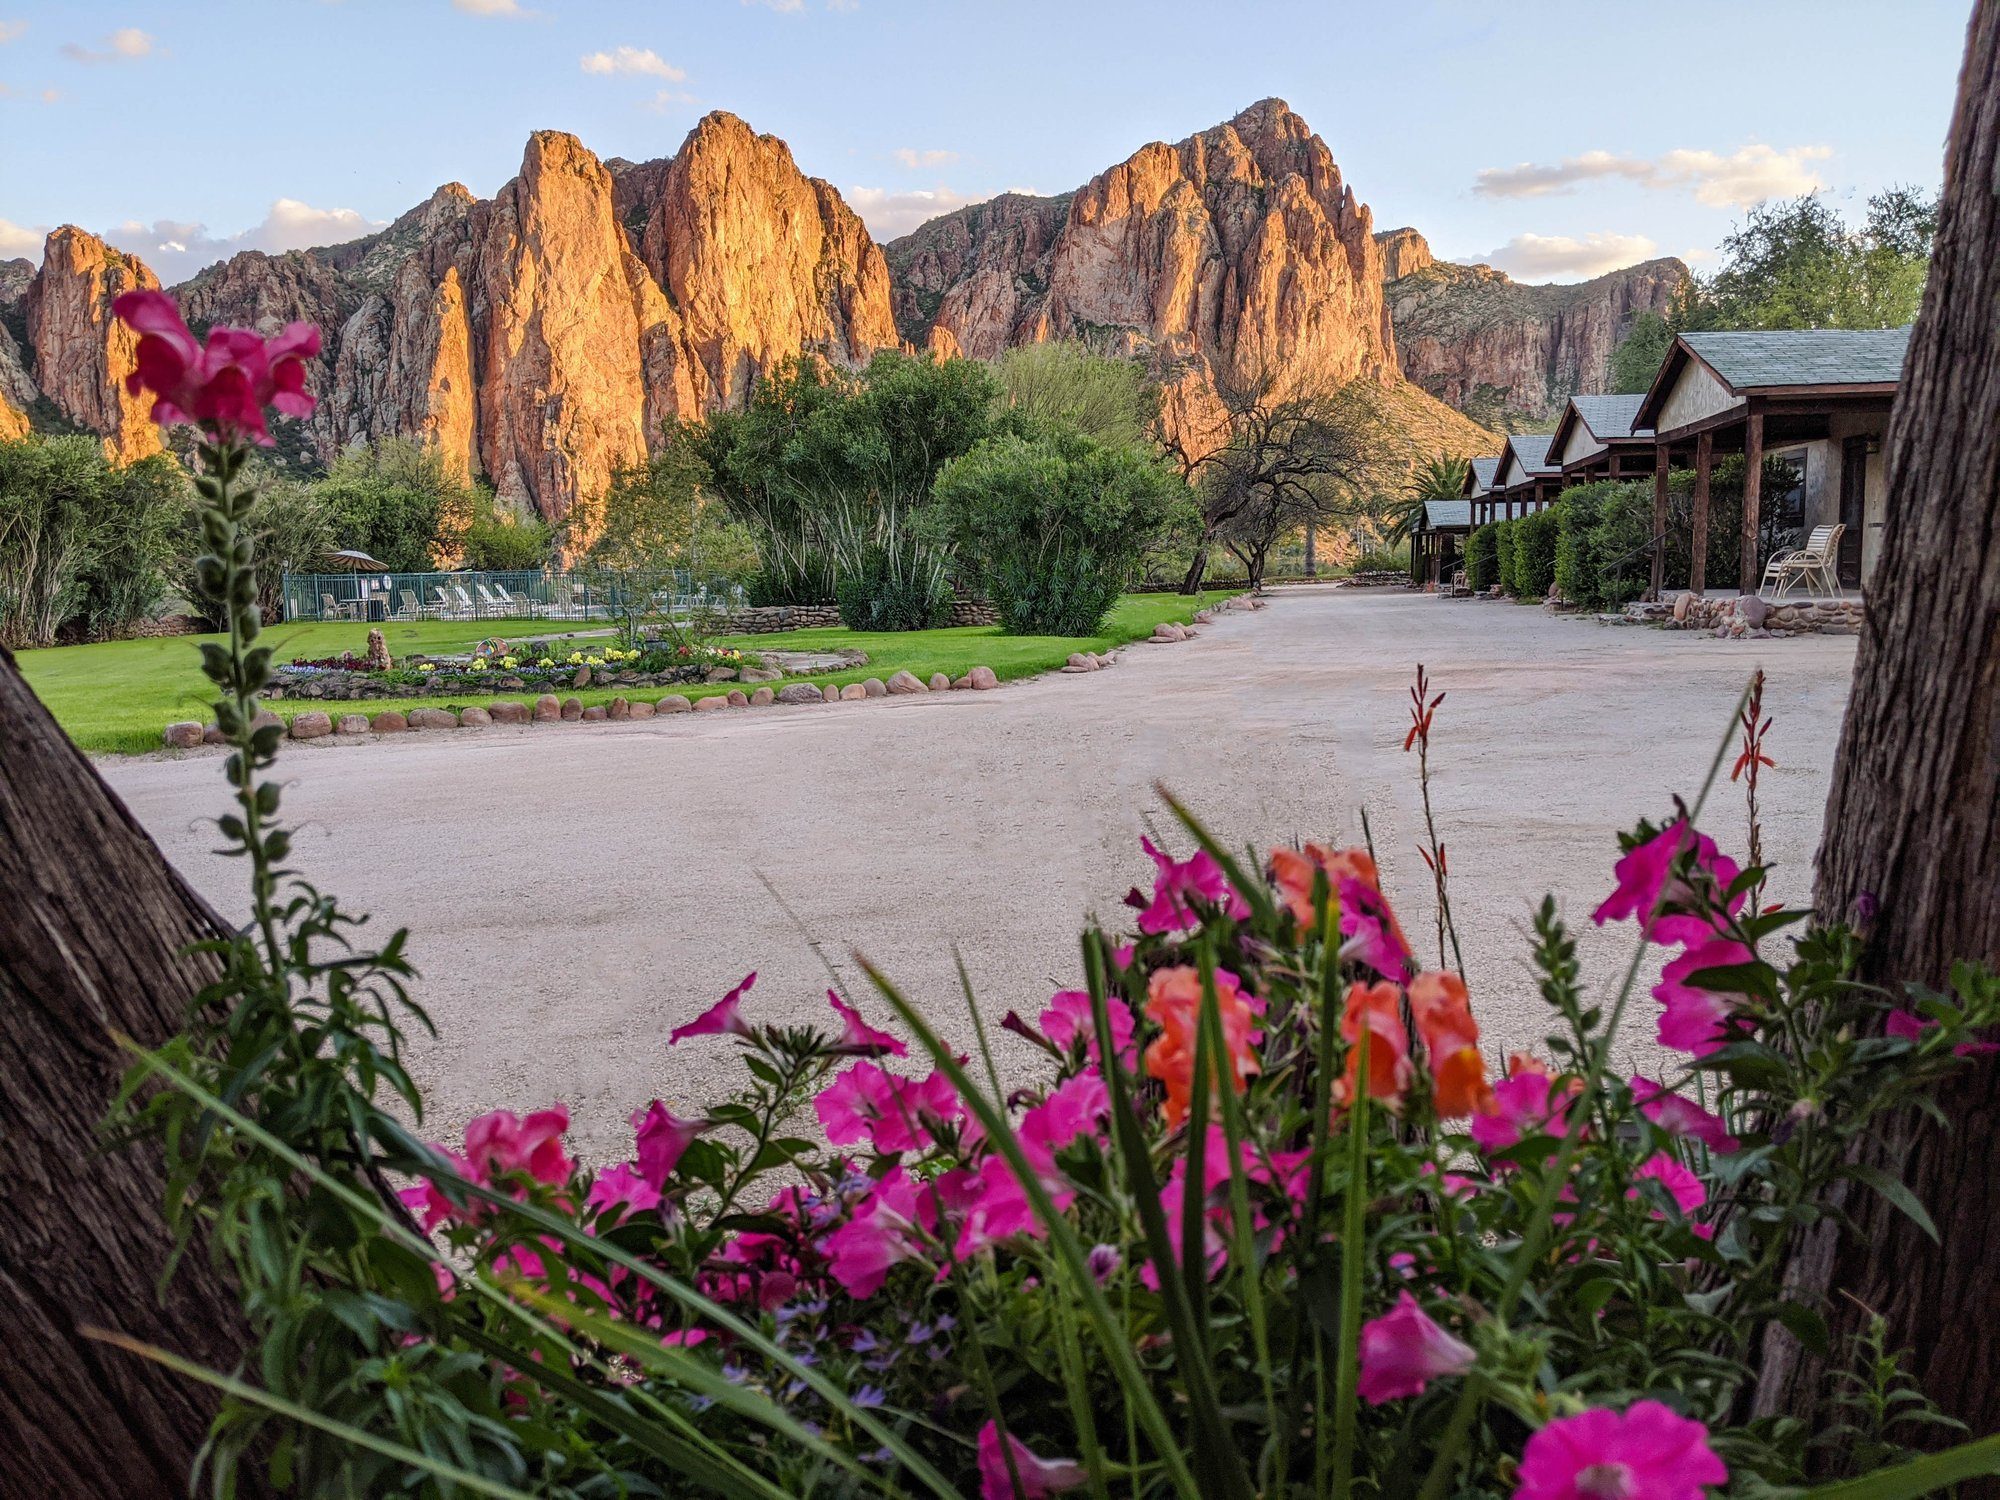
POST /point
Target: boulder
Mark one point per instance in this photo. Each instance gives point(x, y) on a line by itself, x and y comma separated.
point(547, 709)
point(829, 694)
point(940, 683)
point(1752, 610)
point(710, 704)
point(738, 698)
point(758, 674)
point(311, 726)
point(597, 713)
point(474, 717)
point(906, 682)
point(1080, 661)
point(508, 712)
point(1681, 604)
point(211, 734)
point(720, 674)
point(641, 709)
point(674, 703)
point(763, 698)
point(618, 708)
point(185, 735)
point(982, 679)
point(351, 724)
point(800, 692)
point(582, 678)
point(572, 709)
point(433, 718)
point(388, 722)
point(265, 719)
point(854, 692)
point(874, 687)
point(962, 684)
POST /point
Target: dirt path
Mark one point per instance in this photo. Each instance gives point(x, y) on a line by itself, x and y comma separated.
point(577, 891)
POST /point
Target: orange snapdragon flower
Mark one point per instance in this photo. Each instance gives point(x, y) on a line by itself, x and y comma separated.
point(1450, 1035)
point(1173, 1003)
point(1376, 1007)
point(1292, 872)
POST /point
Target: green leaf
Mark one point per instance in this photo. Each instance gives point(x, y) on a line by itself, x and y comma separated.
point(1892, 1188)
point(1921, 1477)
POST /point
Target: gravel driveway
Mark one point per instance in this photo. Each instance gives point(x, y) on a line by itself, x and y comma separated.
point(576, 891)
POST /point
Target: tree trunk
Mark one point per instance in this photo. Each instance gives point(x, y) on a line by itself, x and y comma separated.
point(92, 925)
point(1913, 820)
point(1191, 582)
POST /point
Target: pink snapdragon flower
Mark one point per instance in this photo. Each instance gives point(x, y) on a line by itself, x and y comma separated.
point(1677, 1114)
point(662, 1138)
point(1521, 1105)
point(1404, 1350)
point(222, 386)
point(1069, 1016)
point(1647, 884)
point(1179, 884)
point(1039, 1476)
point(1371, 932)
point(1649, 1452)
point(858, 1037)
point(724, 1018)
point(502, 1141)
point(1695, 1019)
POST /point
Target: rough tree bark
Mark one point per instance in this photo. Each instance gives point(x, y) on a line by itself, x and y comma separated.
point(1913, 819)
point(92, 923)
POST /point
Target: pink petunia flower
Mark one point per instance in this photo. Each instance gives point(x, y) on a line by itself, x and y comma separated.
point(1181, 883)
point(1038, 1476)
point(223, 386)
point(1695, 1018)
point(621, 1186)
point(1681, 1184)
point(858, 1037)
point(883, 1232)
point(892, 1114)
point(1649, 1452)
point(1908, 1026)
point(1404, 1350)
point(1646, 883)
point(1521, 1105)
point(502, 1141)
point(1069, 1016)
point(724, 1018)
point(662, 1138)
point(1679, 1115)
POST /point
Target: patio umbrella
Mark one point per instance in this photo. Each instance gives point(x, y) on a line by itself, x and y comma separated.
point(350, 561)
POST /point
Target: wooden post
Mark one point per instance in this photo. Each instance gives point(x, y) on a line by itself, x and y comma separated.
point(1704, 466)
point(1659, 519)
point(1748, 574)
point(1312, 551)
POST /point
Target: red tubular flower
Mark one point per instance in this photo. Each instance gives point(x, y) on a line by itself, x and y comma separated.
point(222, 387)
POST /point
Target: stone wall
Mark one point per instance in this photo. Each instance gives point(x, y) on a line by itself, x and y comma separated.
point(1753, 615)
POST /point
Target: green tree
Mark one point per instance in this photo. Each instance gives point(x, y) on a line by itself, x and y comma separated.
point(398, 501)
point(643, 531)
point(1065, 384)
point(1639, 355)
point(1439, 477)
point(499, 541)
point(1052, 525)
point(1797, 264)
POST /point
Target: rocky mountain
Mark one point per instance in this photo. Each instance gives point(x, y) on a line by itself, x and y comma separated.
point(1505, 354)
point(540, 338)
point(1237, 255)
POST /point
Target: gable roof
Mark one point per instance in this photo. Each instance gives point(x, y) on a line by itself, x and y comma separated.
point(1525, 457)
point(1607, 419)
point(1479, 479)
point(1857, 359)
point(1441, 515)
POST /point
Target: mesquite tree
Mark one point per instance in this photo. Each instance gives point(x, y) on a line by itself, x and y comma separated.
point(1912, 846)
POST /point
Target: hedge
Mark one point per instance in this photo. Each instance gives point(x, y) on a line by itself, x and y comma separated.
point(1504, 535)
point(1482, 560)
point(1534, 555)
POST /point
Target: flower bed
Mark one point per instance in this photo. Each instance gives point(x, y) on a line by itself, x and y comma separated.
point(498, 665)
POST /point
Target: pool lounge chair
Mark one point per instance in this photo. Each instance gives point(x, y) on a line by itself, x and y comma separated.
point(1816, 565)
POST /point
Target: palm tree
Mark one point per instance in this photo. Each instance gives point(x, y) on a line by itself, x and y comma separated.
point(1440, 477)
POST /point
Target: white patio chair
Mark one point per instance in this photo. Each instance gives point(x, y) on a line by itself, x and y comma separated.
point(508, 603)
point(446, 610)
point(467, 609)
point(1816, 565)
point(407, 606)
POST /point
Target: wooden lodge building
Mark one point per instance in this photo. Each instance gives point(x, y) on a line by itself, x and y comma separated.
point(1807, 409)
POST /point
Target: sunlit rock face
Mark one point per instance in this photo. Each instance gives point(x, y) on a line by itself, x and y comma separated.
point(81, 353)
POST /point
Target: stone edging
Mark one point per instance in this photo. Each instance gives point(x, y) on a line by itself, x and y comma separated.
point(548, 709)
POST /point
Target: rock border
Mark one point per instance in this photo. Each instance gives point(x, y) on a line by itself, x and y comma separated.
point(549, 709)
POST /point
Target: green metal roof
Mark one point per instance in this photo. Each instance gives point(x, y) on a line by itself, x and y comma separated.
point(1807, 356)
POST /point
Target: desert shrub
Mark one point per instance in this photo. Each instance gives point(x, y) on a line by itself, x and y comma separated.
point(1534, 554)
point(86, 547)
point(398, 501)
point(1482, 557)
point(1065, 384)
point(883, 587)
point(496, 540)
point(1052, 525)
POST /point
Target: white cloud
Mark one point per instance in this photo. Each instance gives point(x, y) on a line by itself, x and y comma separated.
point(668, 100)
point(783, 7)
point(176, 249)
point(1562, 257)
point(642, 62)
point(18, 240)
point(124, 45)
point(910, 157)
point(11, 30)
point(511, 10)
point(1746, 176)
point(889, 212)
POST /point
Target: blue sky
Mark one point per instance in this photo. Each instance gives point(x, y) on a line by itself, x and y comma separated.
point(1555, 139)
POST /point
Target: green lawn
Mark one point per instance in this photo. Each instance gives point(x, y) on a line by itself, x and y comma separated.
point(117, 696)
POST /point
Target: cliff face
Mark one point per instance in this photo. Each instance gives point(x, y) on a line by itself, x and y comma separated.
point(1510, 355)
point(540, 338)
point(1404, 253)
